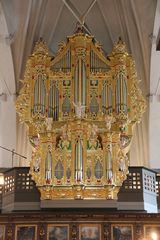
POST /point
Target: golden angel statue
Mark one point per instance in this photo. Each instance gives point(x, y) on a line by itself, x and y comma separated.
point(79, 110)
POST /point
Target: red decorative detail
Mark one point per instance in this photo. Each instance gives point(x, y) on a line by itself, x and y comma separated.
point(58, 181)
point(68, 180)
point(60, 96)
point(98, 180)
point(46, 110)
point(72, 65)
point(109, 181)
point(99, 96)
point(48, 181)
point(87, 65)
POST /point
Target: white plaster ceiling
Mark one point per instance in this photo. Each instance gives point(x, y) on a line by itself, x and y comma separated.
point(53, 20)
point(28, 20)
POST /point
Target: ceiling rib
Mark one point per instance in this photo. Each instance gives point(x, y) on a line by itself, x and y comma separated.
point(41, 21)
point(55, 24)
point(30, 35)
point(105, 23)
point(87, 11)
point(75, 15)
point(22, 46)
point(142, 45)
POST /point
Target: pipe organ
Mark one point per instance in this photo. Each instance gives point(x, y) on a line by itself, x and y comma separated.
point(80, 107)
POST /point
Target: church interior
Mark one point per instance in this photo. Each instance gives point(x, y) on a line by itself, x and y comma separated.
point(79, 120)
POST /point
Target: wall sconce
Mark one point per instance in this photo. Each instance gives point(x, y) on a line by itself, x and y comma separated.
point(154, 236)
point(1, 179)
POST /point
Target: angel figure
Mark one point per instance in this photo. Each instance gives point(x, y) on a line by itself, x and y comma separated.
point(36, 164)
point(48, 123)
point(64, 131)
point(122, 166)
point(94, 130)
point(108, 121)
point(79, 110)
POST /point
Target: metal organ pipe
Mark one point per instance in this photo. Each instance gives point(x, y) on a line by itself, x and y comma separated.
point(79, 160)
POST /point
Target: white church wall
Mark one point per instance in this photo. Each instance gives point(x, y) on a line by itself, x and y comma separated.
point(7, 131)
point(154, 111)
point(7, 93)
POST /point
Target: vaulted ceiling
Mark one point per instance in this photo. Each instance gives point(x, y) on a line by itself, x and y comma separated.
point(28, 20)
point(53, 20)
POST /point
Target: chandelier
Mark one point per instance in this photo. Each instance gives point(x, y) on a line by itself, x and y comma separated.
point(80, 107)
